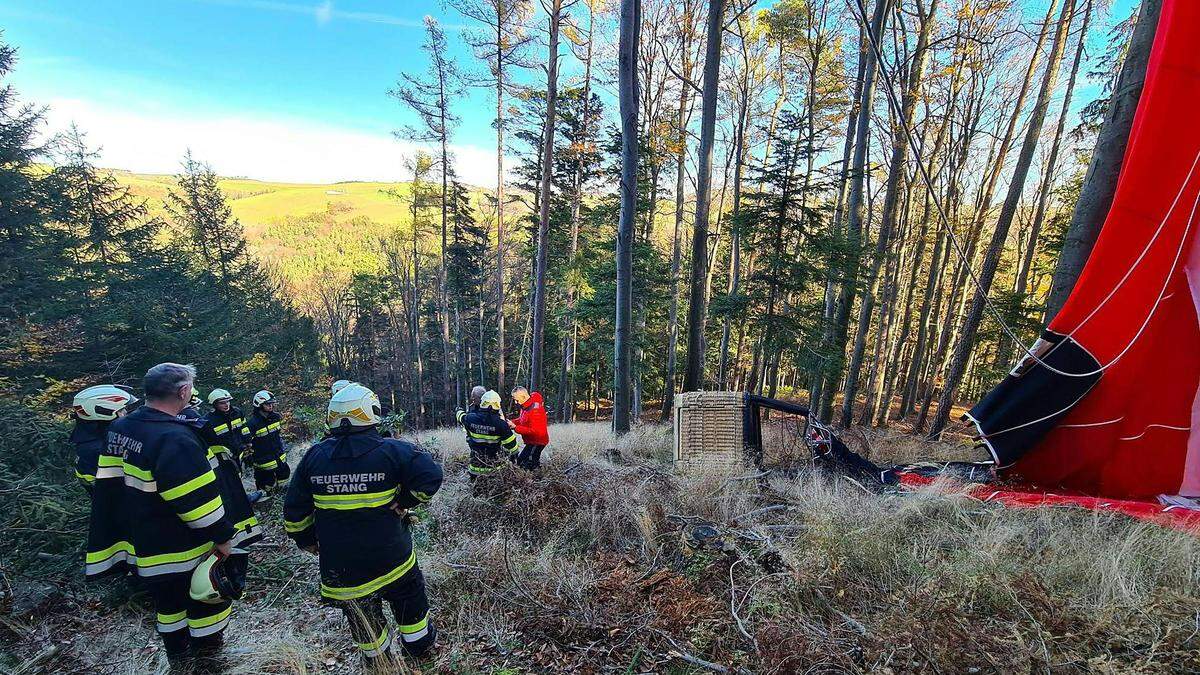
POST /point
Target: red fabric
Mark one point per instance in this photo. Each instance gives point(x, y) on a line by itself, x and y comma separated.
point(531, 423)
point(1170, 516)
point(1137, 432)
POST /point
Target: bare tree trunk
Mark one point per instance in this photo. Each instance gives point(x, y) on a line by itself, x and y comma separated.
point(887, 223)
point(991, 261)
point(682, 116)
point(1100, 183)
point(854, 201)
point(631, 21)
point(1006, 347)
point(566, 385)
point(537, 339)
point(821, 398)
point(693, 378)
point(500, 346)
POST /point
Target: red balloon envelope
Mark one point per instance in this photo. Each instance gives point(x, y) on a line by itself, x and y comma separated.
point(1112, 406)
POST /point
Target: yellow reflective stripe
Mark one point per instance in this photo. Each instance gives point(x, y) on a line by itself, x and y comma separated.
point(268, 465)
point(297, 526)
point(109, 460)
point(352, 592)
point(238, 422)
point(210, 620)
point(365, 500)
point(141, 474)
point(197, 482)
point(354, 497)
point(202, 510)
point(100, 556)
point(416, 627)
point(85, 477)
point(481, 469)
point(172, 618)
point(420, 496)
point(377, 644)
point(249, 522)
point(483, 437)
point(181, 556)
point(221, 429)
point(458, 415)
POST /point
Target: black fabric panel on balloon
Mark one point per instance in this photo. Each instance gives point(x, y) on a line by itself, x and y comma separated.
point(1006, 416)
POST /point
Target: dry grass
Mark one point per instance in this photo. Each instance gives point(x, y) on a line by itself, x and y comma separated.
point(582, 569)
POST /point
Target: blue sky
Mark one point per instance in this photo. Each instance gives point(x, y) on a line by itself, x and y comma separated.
point(273, 89)
point(269, 71)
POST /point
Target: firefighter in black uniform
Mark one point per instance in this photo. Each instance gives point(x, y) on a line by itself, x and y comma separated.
point(267, 452)
point(175, 509)
point(226, 427)
point(490, 438)
point(221, 433)
point(348, 504)
point(109, 551)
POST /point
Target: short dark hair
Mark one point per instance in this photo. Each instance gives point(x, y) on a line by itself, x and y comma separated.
point(164, 380)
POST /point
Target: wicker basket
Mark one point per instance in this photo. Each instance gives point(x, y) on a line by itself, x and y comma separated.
point(709, 431)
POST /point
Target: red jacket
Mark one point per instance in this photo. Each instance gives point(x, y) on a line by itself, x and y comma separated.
point(531, 424)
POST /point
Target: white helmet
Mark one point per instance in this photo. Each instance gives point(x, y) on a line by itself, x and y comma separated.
point(355, 404)
point(490, 399)
point(101, 402)
point(262, 397)
point(218, 395)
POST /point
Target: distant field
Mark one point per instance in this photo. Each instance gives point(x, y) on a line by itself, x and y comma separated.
point(308, 232)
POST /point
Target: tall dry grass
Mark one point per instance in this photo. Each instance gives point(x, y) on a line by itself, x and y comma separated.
point(584, 568)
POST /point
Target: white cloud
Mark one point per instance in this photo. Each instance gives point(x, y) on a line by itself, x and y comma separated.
point(324, 12)
point(153, 140)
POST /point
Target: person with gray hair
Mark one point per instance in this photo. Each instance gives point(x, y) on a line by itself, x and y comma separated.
point(176, 512)
point(477, 393)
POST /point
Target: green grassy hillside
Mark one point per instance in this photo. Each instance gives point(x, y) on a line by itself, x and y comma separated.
point(307, 232)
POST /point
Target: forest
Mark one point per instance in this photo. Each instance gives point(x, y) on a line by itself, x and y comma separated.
point(866, 207)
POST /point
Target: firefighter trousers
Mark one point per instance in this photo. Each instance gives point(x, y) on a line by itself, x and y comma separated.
point(410, 608)
point(268, 475)
point(184, 623)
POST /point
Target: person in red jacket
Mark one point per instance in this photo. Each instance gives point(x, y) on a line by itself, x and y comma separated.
point(531, 424)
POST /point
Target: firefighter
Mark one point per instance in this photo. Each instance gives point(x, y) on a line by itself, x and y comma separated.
point(477, 393)
point(348, 505)
point(334, 388)
point(192, 411)
point(109, 551)
point(488, 435)
point(221, 431)
point(268, 454)
point(227, 425)
point(531, 424)
point(177, 516)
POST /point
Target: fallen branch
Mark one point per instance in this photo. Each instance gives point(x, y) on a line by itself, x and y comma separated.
point(765, 509)
point(733, 608)
point(682, 654)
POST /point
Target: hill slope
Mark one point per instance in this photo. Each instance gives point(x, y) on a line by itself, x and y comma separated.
point(308, 232)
